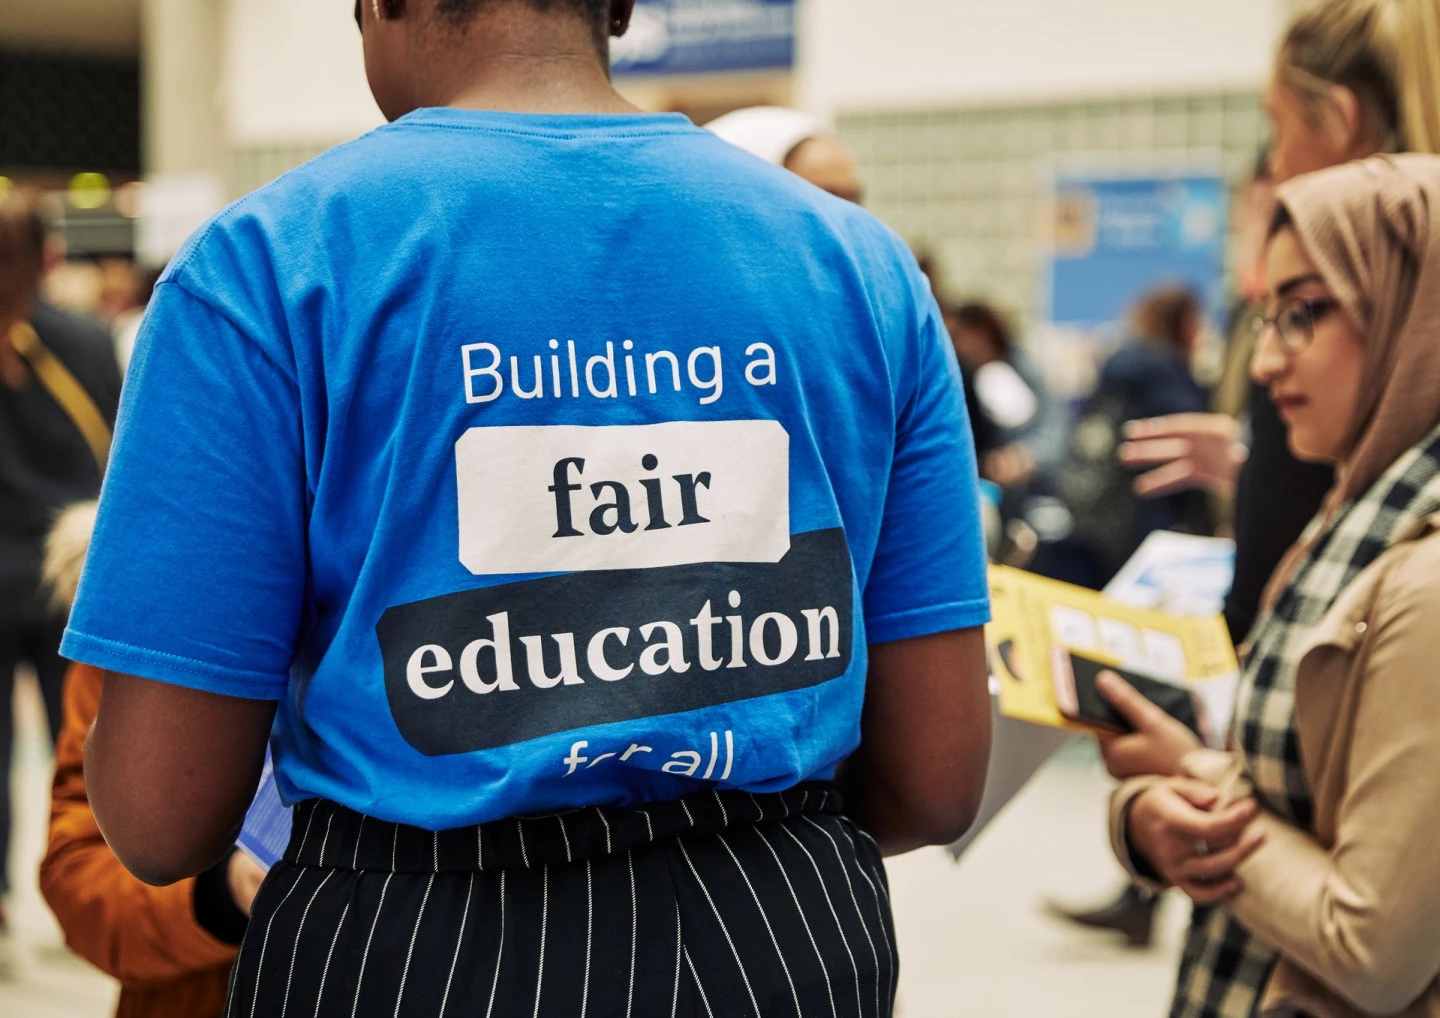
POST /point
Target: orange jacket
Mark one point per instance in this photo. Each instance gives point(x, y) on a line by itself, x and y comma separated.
point(146, 937)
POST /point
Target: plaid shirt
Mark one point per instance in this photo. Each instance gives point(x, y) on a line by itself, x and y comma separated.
point(1224, 969)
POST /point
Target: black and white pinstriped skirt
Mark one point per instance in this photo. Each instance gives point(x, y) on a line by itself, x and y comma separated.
point(719, 905)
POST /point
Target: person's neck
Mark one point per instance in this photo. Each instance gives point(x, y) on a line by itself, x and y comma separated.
point(527, 65)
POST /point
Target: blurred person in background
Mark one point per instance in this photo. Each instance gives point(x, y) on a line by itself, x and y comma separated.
point(1307, 847)
point(59, 390)
point(1148, 376)
point(1029, 425)
point(1351, 78)
point(170, 948)
point(1132, 912)
point(797, 141)
point(344, 442)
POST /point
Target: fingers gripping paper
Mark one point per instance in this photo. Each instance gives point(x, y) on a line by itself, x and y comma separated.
point(1034, 616)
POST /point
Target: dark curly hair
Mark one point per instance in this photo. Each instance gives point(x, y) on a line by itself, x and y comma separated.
point(461, 11)
point(984, 319)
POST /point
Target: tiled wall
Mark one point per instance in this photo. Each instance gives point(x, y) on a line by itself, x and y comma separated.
point(970, 183)
point(253, 168)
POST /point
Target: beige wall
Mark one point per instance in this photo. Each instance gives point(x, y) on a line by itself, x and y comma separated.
point(861, 55)
point(295, 73)
point(183, 84)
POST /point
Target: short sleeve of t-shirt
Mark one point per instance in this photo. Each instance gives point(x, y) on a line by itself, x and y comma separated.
point(929, 571)
point(196, 573)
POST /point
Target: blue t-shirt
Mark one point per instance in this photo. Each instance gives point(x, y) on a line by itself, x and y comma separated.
point(535, 462)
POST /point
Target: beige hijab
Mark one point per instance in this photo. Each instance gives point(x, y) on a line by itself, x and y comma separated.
point(1372, 228)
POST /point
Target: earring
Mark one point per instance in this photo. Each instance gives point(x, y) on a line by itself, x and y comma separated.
point(378, 15)
point(618, 26)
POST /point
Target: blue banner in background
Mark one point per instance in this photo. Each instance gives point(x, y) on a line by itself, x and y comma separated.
point(1116, 238)
point(706, 37)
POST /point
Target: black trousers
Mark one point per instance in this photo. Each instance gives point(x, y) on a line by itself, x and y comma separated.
point(34, 641)
point(715, 906)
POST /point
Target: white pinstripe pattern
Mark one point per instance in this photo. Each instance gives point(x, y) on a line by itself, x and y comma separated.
point(500, 951)
point(299, 934)
point(723, 929)
point(804, 801)
point(459, 941)
point(479, 846)
point(609, 850)
point(265, 942)
point(325, 842)
point(679, 946)
point(325, 972)
point(820, 879)
point(764, 917)
point(589, 933)
point(835, 1013)
point(305, 840)
point(436, 849)
point(688, 815)
point(634, 929)
point(410, 954)
point(566, 836)
point(884, 891)
point(695, 978)
point(864, 925)
point(544, 930)
point(524, 855)
point(758, 808)
point(649, 826)
point(724, 814)
point(365, 958)
point(394, 849)
point(230, 989)
point(359, 835)
point(879, 908)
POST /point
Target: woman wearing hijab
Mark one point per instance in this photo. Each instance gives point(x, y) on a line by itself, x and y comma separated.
point(1306, 847)
point(598, 616)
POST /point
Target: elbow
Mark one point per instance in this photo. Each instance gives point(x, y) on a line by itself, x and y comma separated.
point(161, 858)
point(944, 821)
point(157, 853)
point(1375, 965)
point(1384, 989)
point(938, 813)
point(153, 862)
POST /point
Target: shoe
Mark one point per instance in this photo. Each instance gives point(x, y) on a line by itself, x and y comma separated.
point(1132, 914)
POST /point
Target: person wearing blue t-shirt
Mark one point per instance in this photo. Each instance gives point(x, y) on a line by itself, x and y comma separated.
point(569, 499)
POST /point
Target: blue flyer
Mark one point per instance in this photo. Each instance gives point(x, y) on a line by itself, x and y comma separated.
point(267, 824)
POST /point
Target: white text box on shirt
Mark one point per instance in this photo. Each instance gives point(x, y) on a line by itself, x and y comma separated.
point(578, 499)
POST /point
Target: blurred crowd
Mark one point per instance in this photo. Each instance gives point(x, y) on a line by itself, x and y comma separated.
point(1314, 448)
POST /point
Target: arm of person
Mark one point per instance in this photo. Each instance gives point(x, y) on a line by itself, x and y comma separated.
point(1364, 916)
point(919, 774)
point(1183, 452)
point(194, 590)
point(130, 931)
point(172, 808)
point(925, 741)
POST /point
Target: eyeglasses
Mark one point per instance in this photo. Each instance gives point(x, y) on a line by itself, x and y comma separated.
point(1294, 321)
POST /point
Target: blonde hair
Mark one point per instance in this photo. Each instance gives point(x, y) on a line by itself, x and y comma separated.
point(1387, 52)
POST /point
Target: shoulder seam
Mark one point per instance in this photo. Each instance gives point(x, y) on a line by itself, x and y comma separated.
point(291, 371)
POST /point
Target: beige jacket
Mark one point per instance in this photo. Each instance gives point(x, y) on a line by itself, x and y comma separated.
point(1355, 908)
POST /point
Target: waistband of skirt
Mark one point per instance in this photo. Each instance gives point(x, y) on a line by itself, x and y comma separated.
point(328, 835)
